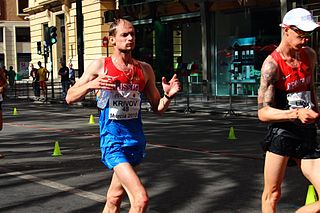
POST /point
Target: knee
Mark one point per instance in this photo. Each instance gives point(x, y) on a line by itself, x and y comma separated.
point(141, 200)
point(114, 200)
point(271, 197)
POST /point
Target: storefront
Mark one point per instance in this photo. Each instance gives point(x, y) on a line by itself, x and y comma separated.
point(243, 39)
point(219, 50)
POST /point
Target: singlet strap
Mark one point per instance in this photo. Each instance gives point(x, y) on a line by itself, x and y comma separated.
point(105, 70)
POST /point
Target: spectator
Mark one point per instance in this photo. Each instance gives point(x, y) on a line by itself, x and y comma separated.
point(72, 76)
point(64, 73)
point(35, 81)
point(11, 76)
point(43, 77)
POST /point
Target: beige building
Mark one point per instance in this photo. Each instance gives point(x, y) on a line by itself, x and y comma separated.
point(14, 36)
point(63, 15)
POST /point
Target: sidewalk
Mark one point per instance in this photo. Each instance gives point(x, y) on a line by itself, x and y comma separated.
point(240, 106)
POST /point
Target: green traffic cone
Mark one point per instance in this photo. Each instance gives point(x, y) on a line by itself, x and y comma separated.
point(231, 134)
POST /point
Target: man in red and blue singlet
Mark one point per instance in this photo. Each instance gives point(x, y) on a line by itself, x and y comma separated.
point(121, 80)
point(288, 102)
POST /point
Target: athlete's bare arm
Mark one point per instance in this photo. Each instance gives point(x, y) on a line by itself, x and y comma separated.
point(158, 104)
point(92, 78)
point(266, 95)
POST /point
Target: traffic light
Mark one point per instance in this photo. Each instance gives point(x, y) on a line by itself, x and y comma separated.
point(52, 35)
point(39, 47)
point(45, 49)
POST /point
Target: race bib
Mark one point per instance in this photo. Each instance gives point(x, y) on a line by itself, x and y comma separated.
point(298, 100)
point(124, 104)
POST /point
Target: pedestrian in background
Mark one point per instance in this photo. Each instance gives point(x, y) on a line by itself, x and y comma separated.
point(3, 85)
point(72, 75)
point(43, 77)
point(64, 73)
point(122, 79)
point(35, 81)
point(5, 70)
point(287, 100)
point(11, 76)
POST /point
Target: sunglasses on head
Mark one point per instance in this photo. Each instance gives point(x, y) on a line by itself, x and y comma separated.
point(301, 33)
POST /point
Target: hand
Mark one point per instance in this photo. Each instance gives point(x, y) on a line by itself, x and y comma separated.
point(307, 116)
point(172, 87)
point(104, 82)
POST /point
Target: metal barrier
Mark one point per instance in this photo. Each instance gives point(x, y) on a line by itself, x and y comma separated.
point(24, 90)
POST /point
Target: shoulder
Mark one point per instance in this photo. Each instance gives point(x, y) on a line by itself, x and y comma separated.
point(145, 66)
point(269, 64)
point(96, 65)
point(95, 68)
point(269, 70)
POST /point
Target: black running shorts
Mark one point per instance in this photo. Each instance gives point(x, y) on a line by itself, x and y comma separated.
point(298, 142)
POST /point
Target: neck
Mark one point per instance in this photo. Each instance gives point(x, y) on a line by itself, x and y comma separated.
point(122, 59)
point(287, 54)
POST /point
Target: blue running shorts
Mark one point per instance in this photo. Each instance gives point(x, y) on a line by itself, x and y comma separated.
point(117, 153)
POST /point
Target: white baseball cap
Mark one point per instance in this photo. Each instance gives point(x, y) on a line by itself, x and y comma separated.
point(301, 18)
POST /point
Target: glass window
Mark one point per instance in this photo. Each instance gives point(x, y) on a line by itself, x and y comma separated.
point(22, 4)
point(1, 34)
point(243, 42)
point(23, 34)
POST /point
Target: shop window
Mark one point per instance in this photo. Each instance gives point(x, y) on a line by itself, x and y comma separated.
point(23, 60)
point(177, 47)
point(22, 4)
point(23, 34)
point(243, 42)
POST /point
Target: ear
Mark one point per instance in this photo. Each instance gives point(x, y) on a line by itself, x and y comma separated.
point(112, 40)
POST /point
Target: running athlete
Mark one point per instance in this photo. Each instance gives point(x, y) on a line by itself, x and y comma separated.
point(288, 101)
point(121, 80)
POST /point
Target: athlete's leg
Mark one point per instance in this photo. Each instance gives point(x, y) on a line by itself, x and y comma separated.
point(131, 183)
point(274, 171)
point(114, 196)
point(311, 170)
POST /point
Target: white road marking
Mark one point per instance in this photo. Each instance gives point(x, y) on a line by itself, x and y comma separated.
point(59, 186)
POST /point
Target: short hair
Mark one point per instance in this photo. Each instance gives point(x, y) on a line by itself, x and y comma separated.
point(115, 24)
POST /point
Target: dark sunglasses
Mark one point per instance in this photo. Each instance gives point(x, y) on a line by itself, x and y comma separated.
point(301, 33)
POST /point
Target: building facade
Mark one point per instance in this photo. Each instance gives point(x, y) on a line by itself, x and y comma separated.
point(215, 47)
point(44, 14)
point(14, 36)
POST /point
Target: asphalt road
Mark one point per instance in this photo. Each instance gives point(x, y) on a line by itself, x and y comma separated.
point(191, 165)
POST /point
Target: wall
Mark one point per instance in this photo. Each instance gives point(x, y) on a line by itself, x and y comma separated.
point(9, 46)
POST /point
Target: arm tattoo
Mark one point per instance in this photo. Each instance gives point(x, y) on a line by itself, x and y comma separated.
point(267, 84)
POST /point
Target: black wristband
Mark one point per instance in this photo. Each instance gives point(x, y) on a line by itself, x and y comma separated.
point(168, 97)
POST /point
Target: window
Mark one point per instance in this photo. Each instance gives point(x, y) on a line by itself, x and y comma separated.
point(1, 34)
point(22, 34)
point(2, 10)
point(22, 4)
